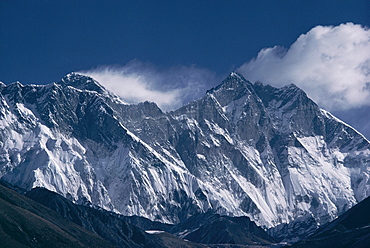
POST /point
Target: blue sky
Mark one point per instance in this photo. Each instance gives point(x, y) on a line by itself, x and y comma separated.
point(156, 41)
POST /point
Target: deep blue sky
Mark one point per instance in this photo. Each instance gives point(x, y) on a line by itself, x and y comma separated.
point(41, 41)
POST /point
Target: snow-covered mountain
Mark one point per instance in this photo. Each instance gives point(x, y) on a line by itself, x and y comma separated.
point(243, 149)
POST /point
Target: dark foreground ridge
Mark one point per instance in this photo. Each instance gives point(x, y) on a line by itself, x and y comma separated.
point(60, 223)
point(207, 228)
point(351, 229)
point(26, 223)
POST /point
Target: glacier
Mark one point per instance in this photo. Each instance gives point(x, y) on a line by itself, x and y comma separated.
point(244, 149)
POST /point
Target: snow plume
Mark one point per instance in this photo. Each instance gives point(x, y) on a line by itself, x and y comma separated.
point(170, 88)
point(331, 64)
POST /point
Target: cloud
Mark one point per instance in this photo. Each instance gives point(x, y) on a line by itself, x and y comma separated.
point(170, 88)
point(331, 64)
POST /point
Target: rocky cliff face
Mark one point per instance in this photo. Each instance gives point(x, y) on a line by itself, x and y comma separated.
point(243, 149)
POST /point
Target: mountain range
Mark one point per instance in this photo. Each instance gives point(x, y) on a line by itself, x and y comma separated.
point(244, 149)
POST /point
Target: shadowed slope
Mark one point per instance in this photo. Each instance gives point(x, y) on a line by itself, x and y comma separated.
point(106, 224)
point(25, 223)
point(352, 229)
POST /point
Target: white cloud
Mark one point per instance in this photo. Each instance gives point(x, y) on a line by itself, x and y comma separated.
point(170, 88)
point(331, 64)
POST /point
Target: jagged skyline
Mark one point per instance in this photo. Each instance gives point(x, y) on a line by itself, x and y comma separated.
point(171, 53)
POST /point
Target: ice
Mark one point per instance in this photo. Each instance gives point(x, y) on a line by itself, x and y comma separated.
point(154, 231)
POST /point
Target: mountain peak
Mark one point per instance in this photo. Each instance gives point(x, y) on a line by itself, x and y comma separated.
point(84, 82)
point(234, 74)
point(72, 75)
point(292, 87)
point(16, 84)
point(232, 88)
point(233, 82)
